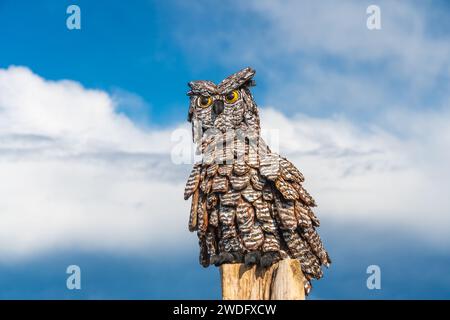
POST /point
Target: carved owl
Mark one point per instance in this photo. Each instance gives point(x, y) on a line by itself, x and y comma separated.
point(248, 203)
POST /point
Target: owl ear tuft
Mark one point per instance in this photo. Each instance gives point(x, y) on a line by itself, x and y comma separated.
point(202, 87)
point(237, 80)
point(191, 111)
point(250, 83)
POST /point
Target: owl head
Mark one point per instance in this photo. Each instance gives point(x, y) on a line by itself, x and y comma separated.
point(226, 106)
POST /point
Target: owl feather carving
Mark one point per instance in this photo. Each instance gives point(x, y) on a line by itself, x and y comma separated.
point(248, 203)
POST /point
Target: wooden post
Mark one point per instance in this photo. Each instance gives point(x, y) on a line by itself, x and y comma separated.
point(282, 281)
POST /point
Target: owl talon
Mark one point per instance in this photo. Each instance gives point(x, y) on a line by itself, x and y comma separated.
point(214, 259)
point(224, 257)
point(269, 258)
point(238, 257)
point(252, 258)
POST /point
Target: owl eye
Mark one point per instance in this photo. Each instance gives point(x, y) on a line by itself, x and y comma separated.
point(232, 97)
point(204, 101)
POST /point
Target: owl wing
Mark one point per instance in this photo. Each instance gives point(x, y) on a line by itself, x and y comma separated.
point(202, 185)
point(293, 206)
point(256, 204)
point(192, 189)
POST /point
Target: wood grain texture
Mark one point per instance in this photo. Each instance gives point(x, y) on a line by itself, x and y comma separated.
point(284, 280)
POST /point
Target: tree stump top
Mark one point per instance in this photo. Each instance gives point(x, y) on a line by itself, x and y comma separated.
point(282, 281)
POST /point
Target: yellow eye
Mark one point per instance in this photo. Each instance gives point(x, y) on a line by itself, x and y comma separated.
point(232, 97)
point(204, 101)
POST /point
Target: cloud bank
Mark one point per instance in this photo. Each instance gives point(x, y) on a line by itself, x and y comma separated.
point(76, 173)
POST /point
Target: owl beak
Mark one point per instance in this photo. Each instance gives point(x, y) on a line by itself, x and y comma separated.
point(218, 107)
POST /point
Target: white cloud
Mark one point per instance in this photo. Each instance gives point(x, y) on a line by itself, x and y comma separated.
point(371, 176)
point(340, 29)
point(406, 40)
point(338, 64)
point(319, 56)
point(75, 174)
point(78, 118)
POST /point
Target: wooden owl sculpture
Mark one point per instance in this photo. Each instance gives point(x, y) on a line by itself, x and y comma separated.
point(248, 203)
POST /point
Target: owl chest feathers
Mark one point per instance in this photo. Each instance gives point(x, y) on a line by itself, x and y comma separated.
point(254, 193)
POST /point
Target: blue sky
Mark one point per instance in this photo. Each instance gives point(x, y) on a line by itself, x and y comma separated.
point(363, 114)
point(133, 48)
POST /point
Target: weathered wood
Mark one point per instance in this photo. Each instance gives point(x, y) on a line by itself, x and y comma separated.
point(282, 281)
